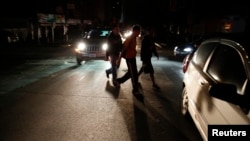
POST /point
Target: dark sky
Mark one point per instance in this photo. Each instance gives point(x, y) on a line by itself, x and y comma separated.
point(14, 8)
point(22, 8)
point(27, 7)
point(224, 6)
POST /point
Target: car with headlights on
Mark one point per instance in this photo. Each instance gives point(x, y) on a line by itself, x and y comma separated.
point(183, 50)
point(93, 45)
point(216, 84)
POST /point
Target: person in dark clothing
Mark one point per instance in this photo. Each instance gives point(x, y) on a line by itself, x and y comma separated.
point(148, 48)
point(129, 48)
point(112, 54)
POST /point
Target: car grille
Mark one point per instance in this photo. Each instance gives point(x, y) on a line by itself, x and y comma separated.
point(93, 48)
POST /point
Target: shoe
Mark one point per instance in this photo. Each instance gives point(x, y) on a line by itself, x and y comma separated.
point(107, 74)
point(136, 93)
point(116, 84)
point(138, 96)
point(156, 86)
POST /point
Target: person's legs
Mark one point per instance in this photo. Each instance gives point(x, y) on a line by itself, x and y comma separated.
point(140, 71)
point(153, 81)
point(151, 73)
point(126, 76)
point(132, 67)
point(113, 66)
point(152, 78)
point(109, 70)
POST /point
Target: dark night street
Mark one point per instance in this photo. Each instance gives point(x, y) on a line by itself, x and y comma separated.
point(51, 98)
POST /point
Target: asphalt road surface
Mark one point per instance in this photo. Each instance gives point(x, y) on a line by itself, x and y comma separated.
point(50, 98)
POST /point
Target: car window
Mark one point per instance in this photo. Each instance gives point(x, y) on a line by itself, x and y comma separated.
point(104, 33)
point(97, 34)
point(226, 66)
point(202, 53)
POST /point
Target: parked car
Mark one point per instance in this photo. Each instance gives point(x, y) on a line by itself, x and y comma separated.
point(216, 84)
point(183, 50)
point(93, 45)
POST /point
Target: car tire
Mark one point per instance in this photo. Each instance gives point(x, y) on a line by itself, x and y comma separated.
point(184, 102)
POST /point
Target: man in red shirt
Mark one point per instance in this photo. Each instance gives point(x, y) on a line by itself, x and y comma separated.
point(129, 51)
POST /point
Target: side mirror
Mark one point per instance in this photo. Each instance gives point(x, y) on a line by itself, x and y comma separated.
point(228, 92)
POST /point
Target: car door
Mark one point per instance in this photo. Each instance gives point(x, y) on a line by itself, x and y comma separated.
point(197, 83)
point(225, 66)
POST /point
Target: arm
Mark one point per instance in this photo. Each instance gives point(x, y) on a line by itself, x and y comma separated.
point(123, 50)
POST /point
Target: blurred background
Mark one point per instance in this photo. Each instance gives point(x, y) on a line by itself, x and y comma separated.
point(177, 21)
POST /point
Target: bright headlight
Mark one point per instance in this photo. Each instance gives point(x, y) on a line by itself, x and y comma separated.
point(81, 46)
point(105, 46)
point(127, 33)
point(188, 49)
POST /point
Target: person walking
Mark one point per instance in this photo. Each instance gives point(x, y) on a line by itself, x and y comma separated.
point(148, 48)
point(129, 52)
point(112, 54)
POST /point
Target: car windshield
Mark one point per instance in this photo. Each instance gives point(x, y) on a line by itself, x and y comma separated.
point(98, 34)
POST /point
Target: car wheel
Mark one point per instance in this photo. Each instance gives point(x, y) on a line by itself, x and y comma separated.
point(184, 104)
point(78, 61)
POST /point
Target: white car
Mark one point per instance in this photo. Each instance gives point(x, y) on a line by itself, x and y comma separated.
point(216, 85)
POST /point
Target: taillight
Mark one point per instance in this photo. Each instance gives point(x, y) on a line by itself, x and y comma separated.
point(186, 61)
